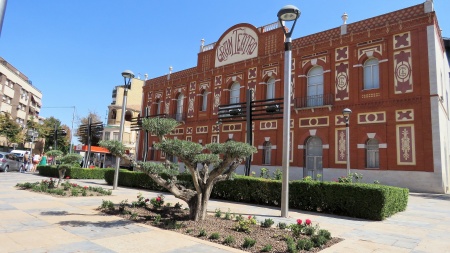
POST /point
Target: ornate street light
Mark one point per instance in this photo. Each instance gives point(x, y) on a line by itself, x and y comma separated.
point(127, 76)
point(287, 13)
point(346, 113)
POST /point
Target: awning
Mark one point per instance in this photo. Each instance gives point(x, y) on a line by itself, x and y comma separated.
point(94, 149)
point(36, 100)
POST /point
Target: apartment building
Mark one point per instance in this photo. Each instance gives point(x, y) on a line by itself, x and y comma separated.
point(20, 99)
point(132, 110)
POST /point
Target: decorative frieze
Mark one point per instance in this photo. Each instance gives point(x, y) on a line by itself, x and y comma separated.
point(314, 121)
point(404, 115)
point(371, 117)
point(406, 154)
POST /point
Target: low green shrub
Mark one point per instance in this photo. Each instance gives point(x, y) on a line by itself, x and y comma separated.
point(366, 201)
point(74, 172)
point(248, 242)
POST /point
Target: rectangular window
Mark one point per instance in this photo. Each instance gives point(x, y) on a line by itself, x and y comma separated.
point(107, 136)
point(116, 136)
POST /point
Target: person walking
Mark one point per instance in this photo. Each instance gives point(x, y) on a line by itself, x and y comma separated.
point(36, 160)
point(43, 161)
point(26, 160)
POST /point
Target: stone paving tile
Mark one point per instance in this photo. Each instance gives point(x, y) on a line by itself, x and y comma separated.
point(83, 246)
point(102, 229)
point(5, 206)
point(198, 248)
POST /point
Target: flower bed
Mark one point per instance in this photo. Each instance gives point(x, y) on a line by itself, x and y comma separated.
point(233, 230)
point(67, 189)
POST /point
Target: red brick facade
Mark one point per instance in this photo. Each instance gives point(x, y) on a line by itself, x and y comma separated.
point(396, 113)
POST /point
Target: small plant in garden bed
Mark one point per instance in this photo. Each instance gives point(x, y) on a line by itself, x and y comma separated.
point(241, 232)
point(49, 186)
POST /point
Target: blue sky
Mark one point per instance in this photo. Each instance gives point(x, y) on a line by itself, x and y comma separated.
point(75, 51)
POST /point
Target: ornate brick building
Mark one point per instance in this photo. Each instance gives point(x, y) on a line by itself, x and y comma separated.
point(391, 71)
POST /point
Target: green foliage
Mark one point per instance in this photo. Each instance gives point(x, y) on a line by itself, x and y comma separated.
point(366, 201)
point(96, 135)
point(214, 236)
point(325, 233)
point(107, 205)
point(159, 126)
point(157, 202)
point(158, 168)
point(248, 242)
point(10, 129)
point(267, 248)
point(228, 215)
point(71, 159)
point(318, 240)
point(229, 240)
point(116, 148)
point(74, 172)
point(202, 233)
point(291, 246)
point(267, 223)
point(305, 244)
point(218, 213)
point(56, 154)
point(264, 173)
point(277, 174)
point(282, 225)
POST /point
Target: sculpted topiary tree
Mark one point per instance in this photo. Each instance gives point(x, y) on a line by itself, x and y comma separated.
point(216, 165)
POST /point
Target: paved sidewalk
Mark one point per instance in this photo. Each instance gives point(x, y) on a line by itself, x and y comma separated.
point(33, 222)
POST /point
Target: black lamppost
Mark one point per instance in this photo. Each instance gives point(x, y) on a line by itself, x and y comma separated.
point(127, 76)
point(287, 13)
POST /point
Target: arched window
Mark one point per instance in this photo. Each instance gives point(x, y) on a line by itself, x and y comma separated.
point(179, 113)
point(372, 154)
point(128, 116)
point(113, 114)
point(315, 86)
point(158, 107)
point(267, 150)
point(270, 94)
point(235, 93)
point(204, 101)
point(371, 74)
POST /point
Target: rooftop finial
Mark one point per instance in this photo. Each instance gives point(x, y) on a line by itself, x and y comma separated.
point(344, 18)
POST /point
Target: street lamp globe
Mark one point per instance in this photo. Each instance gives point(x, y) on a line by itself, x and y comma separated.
point(346, 113)
point(127, 76)
point(288, 13)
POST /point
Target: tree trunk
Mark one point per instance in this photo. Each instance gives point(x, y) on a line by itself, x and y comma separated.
point(194, 207)
point(204, 201)
point(61, 173)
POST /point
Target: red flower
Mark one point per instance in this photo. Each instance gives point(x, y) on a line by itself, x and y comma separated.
point(158, 199)
point(85, 187)
point(249, 217)
point(147, 200)
point(299, 222)
point(308, 222)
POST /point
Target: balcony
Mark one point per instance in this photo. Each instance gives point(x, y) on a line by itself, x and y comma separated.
point(310, 102)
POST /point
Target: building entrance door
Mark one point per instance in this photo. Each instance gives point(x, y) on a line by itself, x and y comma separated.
point(313, 157)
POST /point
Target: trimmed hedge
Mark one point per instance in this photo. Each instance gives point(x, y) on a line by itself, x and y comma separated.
point(366, 201)
point(75, 173)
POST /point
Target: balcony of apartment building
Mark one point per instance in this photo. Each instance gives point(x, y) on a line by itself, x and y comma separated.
point(312, 102)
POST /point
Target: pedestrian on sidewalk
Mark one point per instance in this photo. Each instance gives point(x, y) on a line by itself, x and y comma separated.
point(36, 160)
point(26, 160)
point(43, 161)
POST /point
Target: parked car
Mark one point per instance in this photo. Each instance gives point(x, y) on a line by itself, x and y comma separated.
point(10, 162)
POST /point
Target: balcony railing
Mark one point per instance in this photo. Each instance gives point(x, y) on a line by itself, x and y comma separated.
point(314, 101)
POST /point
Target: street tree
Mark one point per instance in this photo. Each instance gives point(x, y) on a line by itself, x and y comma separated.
point(10, 129)
point(47, 131)
point(218, 163)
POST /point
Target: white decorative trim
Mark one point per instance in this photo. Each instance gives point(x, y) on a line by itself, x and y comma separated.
point(230, 136)
point(301, 76)
point(326, 71)
point(260, 147)
point(371, 135)
point(357, 65)
point(301, 147)
point(267, 138)
point(384, 60)
point(274, 147)
point(326, 146)
point(361, 145)
point(382, 145)
point(312, 132)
